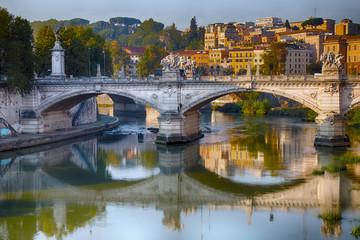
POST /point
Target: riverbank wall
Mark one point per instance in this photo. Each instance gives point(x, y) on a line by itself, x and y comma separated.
point(30, 140)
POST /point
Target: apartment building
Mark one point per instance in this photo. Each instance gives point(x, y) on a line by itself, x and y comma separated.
point(269, 22)
point(346, 26)
point(297, 61)
point(240, 58)
point(217, 58)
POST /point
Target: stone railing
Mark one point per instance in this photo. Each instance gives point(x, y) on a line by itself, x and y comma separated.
point(244, 78)
point(284, 78)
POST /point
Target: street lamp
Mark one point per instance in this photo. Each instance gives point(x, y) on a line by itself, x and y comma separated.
point(104, 59)
point(89, 60)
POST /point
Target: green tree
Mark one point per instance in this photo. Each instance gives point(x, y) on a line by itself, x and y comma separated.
point(79, 43)
point(16, 55)
point(151, 60)
point(313, 22)
point(147, 34)
point(76, 52)
point(118, 57)
point(45, 41)
point(228, 71)
point(274, 59)
point(314, 68)
point(287, 24)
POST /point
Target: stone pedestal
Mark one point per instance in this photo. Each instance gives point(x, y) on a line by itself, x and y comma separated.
point(171, 75)
point(331, 131)
point(57, 61)
point(176, 128)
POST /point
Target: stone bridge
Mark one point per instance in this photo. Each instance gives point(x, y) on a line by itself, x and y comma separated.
point(178, 100)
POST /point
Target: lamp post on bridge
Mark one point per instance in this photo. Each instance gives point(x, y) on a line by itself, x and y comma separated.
point(89, 60)
point(104, 61)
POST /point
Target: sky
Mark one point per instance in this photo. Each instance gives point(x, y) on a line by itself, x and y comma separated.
point(180, 12)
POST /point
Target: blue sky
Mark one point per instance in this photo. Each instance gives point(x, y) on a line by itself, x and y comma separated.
point(181, 11)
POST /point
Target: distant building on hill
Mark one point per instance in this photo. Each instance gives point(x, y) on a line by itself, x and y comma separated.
point(135, 55)
point(346, 26)
point(269, 22)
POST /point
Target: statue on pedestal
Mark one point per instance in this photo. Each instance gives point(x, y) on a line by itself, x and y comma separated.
point(331, 62)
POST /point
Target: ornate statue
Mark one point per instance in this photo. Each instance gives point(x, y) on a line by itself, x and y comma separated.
point(331, 60)
point(175, 62)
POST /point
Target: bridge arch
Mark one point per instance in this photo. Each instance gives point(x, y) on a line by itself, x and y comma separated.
point(66, 100)
point(355, 103)
point(197, 103)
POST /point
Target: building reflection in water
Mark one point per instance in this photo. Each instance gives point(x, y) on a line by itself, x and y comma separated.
point(57, 191)
point(260, 149)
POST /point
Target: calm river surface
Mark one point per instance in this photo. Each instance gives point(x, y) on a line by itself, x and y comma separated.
point(250, 178)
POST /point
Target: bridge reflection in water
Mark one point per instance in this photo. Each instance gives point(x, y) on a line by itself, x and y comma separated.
point(57, 190)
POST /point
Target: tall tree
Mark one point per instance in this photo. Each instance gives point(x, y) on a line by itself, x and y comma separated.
point(193, 29)
point(16, 55)
point(147, 34)
point(151, 60)
point(313, 22)
point(287, 24)
point(274, 59)
point(45, 41)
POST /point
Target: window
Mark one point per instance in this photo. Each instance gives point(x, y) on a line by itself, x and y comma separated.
point(328, 48)
point(246, 55)
point(355, 47)
point(349, 58)
point(349, 47)
point(255, 60)
point(354, 58)
point(334, 48)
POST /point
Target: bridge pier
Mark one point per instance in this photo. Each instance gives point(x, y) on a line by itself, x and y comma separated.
point(179, 128)
point(331, 131)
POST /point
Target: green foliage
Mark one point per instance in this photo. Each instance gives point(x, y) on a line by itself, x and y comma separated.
point(353, 117)
point(330, 216)
point(274, 57)
point(287, 24)
point(347, 158)
point(16, 55)
point(229, 108)
point(45, 41)
point(242, 72)
point(313, 22)
point(228, 71)
point(356, 231)
point(331, 168)
point(305, 114)
point(335, 168)
point(151, 60)
point(80, 43)
point(318, 172)
point(147, 34)
point(119, 58)
point(55, 24)
point(314, 68)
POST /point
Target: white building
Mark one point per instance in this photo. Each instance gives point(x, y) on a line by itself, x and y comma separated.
point(297, 61)
point(269, 22)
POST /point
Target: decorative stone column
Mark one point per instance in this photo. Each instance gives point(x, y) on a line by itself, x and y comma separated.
point(57, 60)
point(331, 122)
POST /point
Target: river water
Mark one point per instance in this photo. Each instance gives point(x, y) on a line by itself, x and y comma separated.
point(249, 178)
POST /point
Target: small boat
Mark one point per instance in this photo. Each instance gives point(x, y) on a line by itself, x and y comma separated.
point(113, 134)
point(153, 130)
